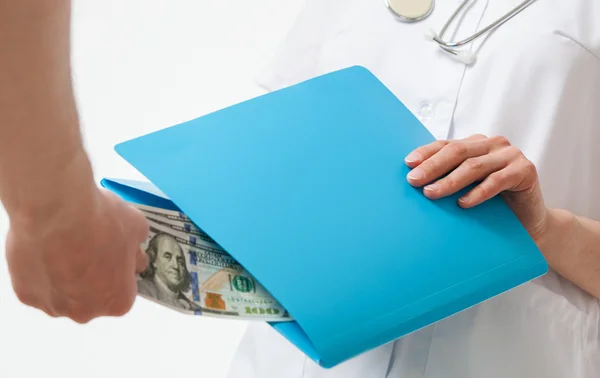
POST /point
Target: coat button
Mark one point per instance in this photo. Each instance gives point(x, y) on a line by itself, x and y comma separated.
point(426, 112)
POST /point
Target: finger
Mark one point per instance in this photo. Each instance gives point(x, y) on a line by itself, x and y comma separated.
point(25, 296)
point(447, 159)
point(495, 183)
point(23, 289)
point(123, 299)
point(75, 308)
point(141, 261)
point(470, 171)
point(422, 153)
point(134, 221)
point(48, 311)
point(138, 224)
point(113, 199)
point(476, 137)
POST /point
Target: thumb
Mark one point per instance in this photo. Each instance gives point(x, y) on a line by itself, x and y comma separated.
point(141, 261)
point(140, 231)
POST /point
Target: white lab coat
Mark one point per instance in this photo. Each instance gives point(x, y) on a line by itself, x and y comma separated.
point(537, 82)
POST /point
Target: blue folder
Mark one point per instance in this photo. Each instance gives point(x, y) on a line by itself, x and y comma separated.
point(306, 187)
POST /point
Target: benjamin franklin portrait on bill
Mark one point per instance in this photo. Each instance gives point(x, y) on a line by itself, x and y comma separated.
point(167, 276)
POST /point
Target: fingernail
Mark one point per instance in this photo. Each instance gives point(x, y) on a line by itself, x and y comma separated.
point(416, 174)
point(464, 199)
point(432, 187)
point(412, 157)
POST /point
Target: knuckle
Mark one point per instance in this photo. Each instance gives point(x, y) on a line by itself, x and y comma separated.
point(81, 316)
point(449, 183)
point(499, 140)
point(49, 311)
point(514, 151)
point(78, 310)
point(432, 148)
point(474, 164)
point(529, 168)
point(501, 177)
point(458, 148)
point(440, 144)
point(492, 182)
point(430, 167)
point(121, 306)
point(485, 190)
point(24, 296)
point(479, 136)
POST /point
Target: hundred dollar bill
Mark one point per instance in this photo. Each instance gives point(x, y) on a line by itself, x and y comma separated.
point(200, 278)
point(193, 232)
point(170, 214)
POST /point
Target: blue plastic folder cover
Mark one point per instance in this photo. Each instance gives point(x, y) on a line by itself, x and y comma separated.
point(306, 188)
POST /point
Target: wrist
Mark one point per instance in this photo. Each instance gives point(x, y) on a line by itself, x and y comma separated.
point(56, 193)
point(558, 234)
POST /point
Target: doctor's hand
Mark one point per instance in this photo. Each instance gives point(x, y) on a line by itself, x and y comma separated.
point(445, 167)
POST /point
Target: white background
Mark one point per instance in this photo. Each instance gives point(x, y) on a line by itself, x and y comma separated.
point(139, 66)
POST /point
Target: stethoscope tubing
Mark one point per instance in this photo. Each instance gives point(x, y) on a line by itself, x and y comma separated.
point(449, 45)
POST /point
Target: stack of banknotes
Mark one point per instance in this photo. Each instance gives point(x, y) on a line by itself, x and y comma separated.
point(191, 273)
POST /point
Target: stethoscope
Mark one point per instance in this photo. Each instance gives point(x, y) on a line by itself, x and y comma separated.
point(417, 10)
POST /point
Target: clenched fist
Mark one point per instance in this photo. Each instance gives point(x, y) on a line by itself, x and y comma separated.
point(80, 262)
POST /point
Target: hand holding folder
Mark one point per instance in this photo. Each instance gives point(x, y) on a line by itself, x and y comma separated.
point(306, 188)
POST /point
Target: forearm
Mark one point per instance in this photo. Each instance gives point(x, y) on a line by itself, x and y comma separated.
point(572, 248)
point(41, 153)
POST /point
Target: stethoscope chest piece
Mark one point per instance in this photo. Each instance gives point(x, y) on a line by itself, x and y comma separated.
point(410, 10)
